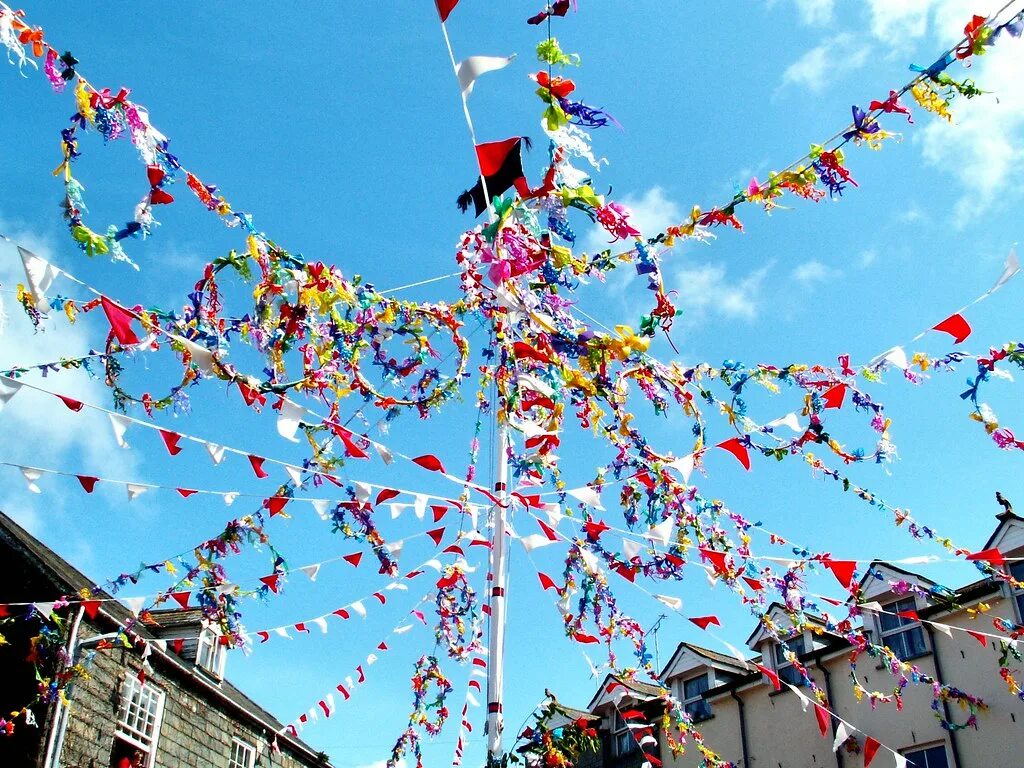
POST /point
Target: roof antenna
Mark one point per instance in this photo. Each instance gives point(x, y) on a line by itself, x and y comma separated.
point(654, 631)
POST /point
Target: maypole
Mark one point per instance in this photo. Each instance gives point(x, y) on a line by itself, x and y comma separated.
point(497, 603)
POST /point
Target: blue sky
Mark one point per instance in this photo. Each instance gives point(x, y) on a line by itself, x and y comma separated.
point(340, 128)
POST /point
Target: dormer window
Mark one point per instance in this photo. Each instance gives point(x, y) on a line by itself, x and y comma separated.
point(783, 667)
point(1017, 571)
point(696, 706)
point(623, 740)
point(901, 634)
point(210, 653)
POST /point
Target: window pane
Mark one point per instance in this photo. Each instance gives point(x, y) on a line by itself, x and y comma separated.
point(790, 674)
point(695, 687)
point(698, 710)
point(933, 757)
point(1017, 570)
point(889, 621)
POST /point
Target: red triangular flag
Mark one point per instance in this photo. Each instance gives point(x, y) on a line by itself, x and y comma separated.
point(870, 749)
point(342, 613)
point(956, 326)
point(251, 394)
point(912, 615)
point(992, 556)
point(257, 466)
point(454, 549)
point(594, 529)
point(178, 645)
point(171, 441)
point(717, 559)
point(823, 718)
point(436, 535)
point(833, 396)
point(160, 197)
point(704, 621)
point(430, 462)
point(445, 7)
point(978, 636)
point(88, 482)
point(629, 574)
point(181, 598)
point(439, 511)
point(155, 174)
point(120, 320)
point(579, 637)
point(842, 570)
point(91, 607)
point(276, 504)
point(71, 403)
point(753, 583)
point(736, 447)
point(521, 350)
point(271, 581)
point(185, 492)
point(300, 627)
point(263, 635)
point(548, 530)
point(384, 495)
point(774, 678)
point(547, 582)
point(354, 558)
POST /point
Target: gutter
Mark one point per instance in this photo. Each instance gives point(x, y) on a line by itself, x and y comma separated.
point(953, 743)
point(831, 700)
point(743, 727)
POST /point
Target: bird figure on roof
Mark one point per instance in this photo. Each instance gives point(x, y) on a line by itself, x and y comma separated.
point(1007, 506)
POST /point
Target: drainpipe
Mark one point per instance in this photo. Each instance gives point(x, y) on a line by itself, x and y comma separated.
point(55, 739)
point(57, 715)
point(953, 744)
point(828, 692)
point(743, 727)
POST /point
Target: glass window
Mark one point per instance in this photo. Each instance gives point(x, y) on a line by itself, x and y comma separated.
point(622, 738)
point(902, 635)
point(210, 653)
point(1017, 571)
point(138, 722)
point(929, 757)
point(242, 755)
point(696, 706)
point(783, 667)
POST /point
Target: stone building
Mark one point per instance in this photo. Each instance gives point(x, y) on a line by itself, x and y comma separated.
point(168, 700)
point(745, 720)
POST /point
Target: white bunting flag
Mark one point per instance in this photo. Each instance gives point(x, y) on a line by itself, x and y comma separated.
point(403, 629)
point(661, 532)
point(216, 452)
point(119, 424)
point(395, 549)
point(288, 420)
point(201, 356)
point(362, 491)
point(803, 699)
point(359, 608)
point(321, 505)
point(311, 571)
point(39, 274)
point(282, 632)
point(8, 389)
point(674, 603)
point(419, 506)
point(789, 420)
point(588, 496)
point(631, 549)
point(841, 736)
point(943, 629)
point(897, 356)
point(134, 491)
point(294, 475)
point(44, 609)
point(31, 475)
point(229, 497)
point(468, 70)
point(900, 760)
point(397, 509)
point(590, 560)
point(322, 623)
point(1010, 268)
point(135, 604)
point(684, 465)
point(534, 540)
point(384, 453)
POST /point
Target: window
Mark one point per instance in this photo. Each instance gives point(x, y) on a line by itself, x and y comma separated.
point(696, 706)
point(210, 653)
point(929, 757)
point(783, 667)
point(901, 635)
point(1017, 571)
point(242, 755)
point(138, 725)
point(623, 741)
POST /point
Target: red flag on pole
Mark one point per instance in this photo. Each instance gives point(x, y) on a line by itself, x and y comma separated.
point(445, 7)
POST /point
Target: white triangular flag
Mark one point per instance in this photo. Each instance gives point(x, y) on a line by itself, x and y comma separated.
point(294, 475)
point(737, 654)
point(588, 496)
point(119, 424)
point(803, 699)
point(135, 604)
point(396, 509)
point(39, 274)
point(384, 453)
point(534, 540)
point(897, 356)
point(419, 506)
point(322, 623)
point(134, 490)
point(684, 465)
point(313, 714)
point(434, 564)
point(1010, 268)
point(288, 420)
point(900, 760)
point(229, 497)
point(674, 603)
point(468, 70)
point(943, 629)
point(395, 549)
point(371, 659)
point(201, 356)
point(472, 699)
point(359, 608)
point(362, 491)
point(554, 513)
point(31, 475)
point(216, 452)
point(630, 548)
point(789, 420)
point(590, 560)
point(320, 505)
point(8, 389)
point(44, 609)
point(661, 532)
point(841, 736)
point(311, 571)
point(403, 629)
point(282, 632)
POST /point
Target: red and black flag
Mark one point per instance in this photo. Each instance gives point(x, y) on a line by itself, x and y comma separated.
point(501, 166)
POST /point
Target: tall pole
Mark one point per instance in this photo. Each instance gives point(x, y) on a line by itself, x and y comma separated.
point(499, 582)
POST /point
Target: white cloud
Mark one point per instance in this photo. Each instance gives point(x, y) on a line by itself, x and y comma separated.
point(899, 22)
point(812, 272)
point(706, 290)
point(824, 64)
point(815, 11)
point(651, 212)
point(867, 258)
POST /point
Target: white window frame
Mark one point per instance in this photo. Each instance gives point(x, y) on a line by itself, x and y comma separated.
point(1017, 595)
point(782, 665)
point(127, 731)
point(909, 751)
point(248, 754)
point(209, 643)
point(621, 733)
point(697, 698)
point(908, 625)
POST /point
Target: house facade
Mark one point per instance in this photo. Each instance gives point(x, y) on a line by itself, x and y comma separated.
point(745, 720)
point(164, 696)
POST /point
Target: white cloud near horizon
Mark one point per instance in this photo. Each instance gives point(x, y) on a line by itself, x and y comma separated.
point(812, 272)
point(824, 64)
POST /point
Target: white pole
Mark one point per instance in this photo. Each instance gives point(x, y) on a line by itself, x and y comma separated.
point(499, 583)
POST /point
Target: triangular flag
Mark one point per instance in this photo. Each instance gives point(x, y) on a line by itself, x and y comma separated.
point(419, 506)
point(88, 482)
point(439, 511)
point(822, 716)
point(630, 548)
point(661, 532)
point(385, 494)
point(8, 389)
point(588, 496)
point(171, 440)
point(674, 603)
point(320, 506)
point(91, 607)
point(430, 462)
point(135, 604)
point(684, 465)
point(276, 504)
point(833, 396)
point(843, 570)
point(774, 678)
point(39, 274)
point(186, 492)
point(119, 424)
point(271, 581)
point(896, 356)
point(992, 556)
point(436, 535)
point(1010, 268)
point(790, 420)
point(294, 475)
point(870, 749)
point(956, 326)
point(384, 453)
point(535, 540)
point(978, 636)
point(311, 571)
point(445, 7)
point(31, 475)
point(289, 417)
point(947, 631)
point(181, 598)
point(547, 582)
point(899, 760)
point(354, 558)
point(229, 497)
point(358, 608)
point(120, 322)
point(257, 466)
point(704, 621)
point(841, 736)
point(216, 452)
point(736, 447)
point(134, 490)
point(468, 70)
